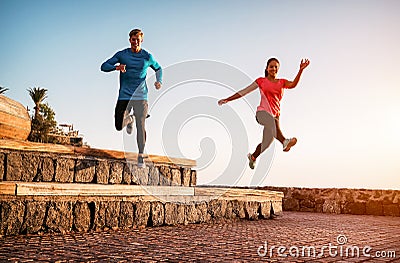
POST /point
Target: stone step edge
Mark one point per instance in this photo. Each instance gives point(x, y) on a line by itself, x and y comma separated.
point(26, 146)
point(14, 188)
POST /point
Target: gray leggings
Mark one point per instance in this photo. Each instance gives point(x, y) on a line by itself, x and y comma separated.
point(269, 133)
point(140, 108)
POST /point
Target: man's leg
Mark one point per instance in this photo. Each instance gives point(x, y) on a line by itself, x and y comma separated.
point(140, 108)
point(119, 114)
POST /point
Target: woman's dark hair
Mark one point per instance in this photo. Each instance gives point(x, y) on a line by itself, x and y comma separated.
point(269, 61)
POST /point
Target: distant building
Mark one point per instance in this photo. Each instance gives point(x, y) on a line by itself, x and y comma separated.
point(65, 134)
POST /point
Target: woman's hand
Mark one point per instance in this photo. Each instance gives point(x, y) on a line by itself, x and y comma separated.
point(222, 102)
point(304, 63)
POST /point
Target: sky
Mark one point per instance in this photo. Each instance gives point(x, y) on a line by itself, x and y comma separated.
point(344, 112)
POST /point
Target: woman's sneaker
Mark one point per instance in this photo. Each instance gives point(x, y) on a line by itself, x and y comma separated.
point(289, 143)
point(252, 162)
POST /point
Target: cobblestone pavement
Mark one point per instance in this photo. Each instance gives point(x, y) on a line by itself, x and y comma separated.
point(235, 241)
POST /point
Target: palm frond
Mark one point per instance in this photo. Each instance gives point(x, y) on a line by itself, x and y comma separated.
point(3, 89)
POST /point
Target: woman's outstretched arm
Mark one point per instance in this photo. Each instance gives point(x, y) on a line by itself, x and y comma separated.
point(239, 94)
point(291, 84)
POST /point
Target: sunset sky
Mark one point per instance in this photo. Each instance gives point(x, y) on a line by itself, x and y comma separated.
point(345, 111)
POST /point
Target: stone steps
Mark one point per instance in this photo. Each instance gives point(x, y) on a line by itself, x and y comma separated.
point(55, 188)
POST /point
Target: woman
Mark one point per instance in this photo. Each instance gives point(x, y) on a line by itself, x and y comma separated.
point(268, 112)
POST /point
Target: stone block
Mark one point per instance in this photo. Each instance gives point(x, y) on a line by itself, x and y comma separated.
point(354, 208)
point(157, 214)
point(11, 217)
point(390, 197)
point(82, 216)
point(174, 213)
point(14, 167)
point(229, 214)
point(377, 194)
point(116, 171)
point(65, 169)
point(35, 217)
point(291, 204)
point(142, 213)
point(186, 176)
point(127, 214)
point(191, 216)
point(30, 167)
point(374, 208)
point(176, 177)
point(193, 178)
point(265, 210)
point(276, 207)
point(346, 196)
point(364, 195)
point(102, 172)
point(59, 217)
point(165, 175)
point(238, 209)
point(331, 206)
point(99, 215)
point(251, 210)
point(112, 214)
point(154, 176)
point(309, 203)
point(85, 171)
point(2, 166)
point(217, 208)
point(202, 214)
point(391, 210)
point(319, 203)
point(142, 175)
point(128, 174)
point(196, 213)
point(301, 193)
point(47, 169)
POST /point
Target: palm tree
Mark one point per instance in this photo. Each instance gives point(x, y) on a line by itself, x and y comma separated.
point(3, 89)
point(38, 95)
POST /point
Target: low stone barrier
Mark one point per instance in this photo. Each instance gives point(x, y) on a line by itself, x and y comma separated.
point(28, 215)
point(341, 201)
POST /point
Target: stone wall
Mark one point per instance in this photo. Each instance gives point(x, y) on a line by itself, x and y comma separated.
point(28, 166)
point(341, 201)
point(27, 215)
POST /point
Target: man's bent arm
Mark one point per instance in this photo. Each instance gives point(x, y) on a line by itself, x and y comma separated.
point(109, 65)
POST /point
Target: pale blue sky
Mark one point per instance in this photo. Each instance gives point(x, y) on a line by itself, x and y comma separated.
point(345, 111)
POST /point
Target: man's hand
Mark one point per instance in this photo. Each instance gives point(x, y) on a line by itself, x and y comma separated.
point(157, 85)
point(121, 67)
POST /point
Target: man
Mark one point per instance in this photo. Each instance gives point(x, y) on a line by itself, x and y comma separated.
point(132, 63)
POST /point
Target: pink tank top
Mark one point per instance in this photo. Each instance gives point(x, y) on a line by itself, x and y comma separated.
point(271, 95)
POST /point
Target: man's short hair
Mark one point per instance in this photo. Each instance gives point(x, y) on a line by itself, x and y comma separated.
point(135, 32)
